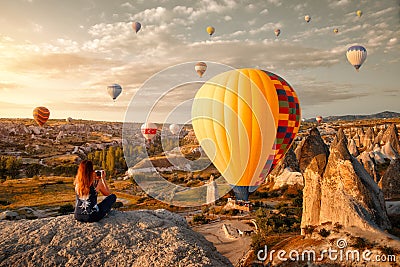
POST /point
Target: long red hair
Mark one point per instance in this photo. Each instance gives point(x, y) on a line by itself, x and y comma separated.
point(84, 178)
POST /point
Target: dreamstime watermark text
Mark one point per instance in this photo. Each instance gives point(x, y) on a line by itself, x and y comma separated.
point(338, 254)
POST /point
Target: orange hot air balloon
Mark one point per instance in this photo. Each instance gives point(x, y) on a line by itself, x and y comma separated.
point(319, 119)
point(245, 121)
point(200, 68)
point(277, 32)
point(41, 115)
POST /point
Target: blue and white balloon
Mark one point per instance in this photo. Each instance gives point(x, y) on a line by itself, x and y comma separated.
point(356, 55)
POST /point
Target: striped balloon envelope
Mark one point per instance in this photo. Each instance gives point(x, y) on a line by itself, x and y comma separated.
point(200, 68)
point(41, 115)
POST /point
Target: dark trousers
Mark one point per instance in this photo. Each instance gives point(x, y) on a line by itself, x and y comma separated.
point(104, 208)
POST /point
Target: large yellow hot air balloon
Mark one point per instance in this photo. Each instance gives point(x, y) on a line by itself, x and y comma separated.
point(245, 120)
point(41, 115)
point(359, 13)
point(210, 30)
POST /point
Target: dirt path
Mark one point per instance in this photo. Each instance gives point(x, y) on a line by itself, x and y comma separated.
point(233, 249)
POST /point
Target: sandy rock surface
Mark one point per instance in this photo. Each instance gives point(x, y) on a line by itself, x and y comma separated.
point(133, 238)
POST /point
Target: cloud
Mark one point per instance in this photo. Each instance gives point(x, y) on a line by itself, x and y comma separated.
point(340, 3)
point(211, 6)
point(152, 15)
point(183, 10)
point(275, 2)
point(36, 27)
point(127, 5)
point(264, 11)
point(312, 92)
point(265, 28)
point(58, 65)
point(381, 13)
point(227, 18)
point(7, 86)
point(286, 56)
point(300, 7)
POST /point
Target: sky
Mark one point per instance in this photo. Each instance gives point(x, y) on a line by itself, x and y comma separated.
point(63, 54)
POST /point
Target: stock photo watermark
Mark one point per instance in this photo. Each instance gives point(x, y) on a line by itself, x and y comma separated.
point(340, 253)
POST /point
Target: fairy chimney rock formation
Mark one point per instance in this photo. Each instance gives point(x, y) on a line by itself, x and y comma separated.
point(342, 192)
point(353, 148)
point(378, 137)
point(349, 195)
point(312, 157)
point(287, 172)
point(390, 182)
point(357, 140)
point(391, 136)
point(368, 138)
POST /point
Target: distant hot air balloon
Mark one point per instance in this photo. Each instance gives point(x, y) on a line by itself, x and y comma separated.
point(41, 115)
point(149, 130)
point(359, 13)
point(319, 119)
point(210, 30)
point(200, 68)
point(174, 128)
point(114, 90)
point(136, 26)
point(245, 121)
point(69, 119)
point(356, 55)
point(277, 32)
point(307, 18)
point(336, 30)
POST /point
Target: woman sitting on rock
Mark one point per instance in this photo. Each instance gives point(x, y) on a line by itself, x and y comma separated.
point(87, 184)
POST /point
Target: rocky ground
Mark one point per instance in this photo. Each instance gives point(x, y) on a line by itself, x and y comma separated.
point(134, 238)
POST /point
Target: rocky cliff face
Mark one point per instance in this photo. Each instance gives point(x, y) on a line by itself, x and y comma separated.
point(390, 182)
point(135, 238)
point(338, 189)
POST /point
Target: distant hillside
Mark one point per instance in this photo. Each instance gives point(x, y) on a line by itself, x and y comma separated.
point(380, 115)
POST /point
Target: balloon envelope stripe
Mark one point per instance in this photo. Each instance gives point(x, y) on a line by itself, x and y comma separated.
point(41, 115)
point(287, 102)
